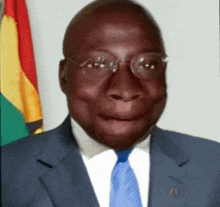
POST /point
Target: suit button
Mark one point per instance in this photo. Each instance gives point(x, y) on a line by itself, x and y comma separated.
point(173, 192)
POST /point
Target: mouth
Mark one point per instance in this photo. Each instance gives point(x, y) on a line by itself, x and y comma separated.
point(122, 118)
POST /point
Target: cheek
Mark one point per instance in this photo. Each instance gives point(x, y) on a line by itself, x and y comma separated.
point(157, 95)
point(80, 106)
point(82, 88)
point(156, 89)
point(158, 109)
point(82, 95)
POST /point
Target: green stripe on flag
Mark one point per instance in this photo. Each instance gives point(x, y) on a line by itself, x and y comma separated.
point(12, 123)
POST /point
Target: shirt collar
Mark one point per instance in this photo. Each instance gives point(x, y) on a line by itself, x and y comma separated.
point(90, 147)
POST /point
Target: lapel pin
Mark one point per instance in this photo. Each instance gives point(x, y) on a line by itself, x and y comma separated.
point(173, 192)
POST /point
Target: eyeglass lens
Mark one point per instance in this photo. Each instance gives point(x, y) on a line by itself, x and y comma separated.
point(143, 66)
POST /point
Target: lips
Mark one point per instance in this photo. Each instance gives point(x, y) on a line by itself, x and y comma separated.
point(120, 117)
point(123, 111)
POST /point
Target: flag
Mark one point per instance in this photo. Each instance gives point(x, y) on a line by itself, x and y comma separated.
point(20, 103)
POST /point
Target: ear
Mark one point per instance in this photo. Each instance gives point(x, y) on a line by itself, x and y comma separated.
point(63, 75)
point(166, 64)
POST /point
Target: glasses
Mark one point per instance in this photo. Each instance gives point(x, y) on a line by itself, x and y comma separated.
point(143, 66)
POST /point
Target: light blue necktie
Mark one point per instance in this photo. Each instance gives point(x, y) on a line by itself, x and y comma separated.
point(124, 189)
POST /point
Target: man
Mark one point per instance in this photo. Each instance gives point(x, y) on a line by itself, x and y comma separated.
point(113, 75)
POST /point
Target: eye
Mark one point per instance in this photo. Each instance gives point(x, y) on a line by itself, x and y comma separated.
point(97, 67)
point(147, 65)
point(96, 63)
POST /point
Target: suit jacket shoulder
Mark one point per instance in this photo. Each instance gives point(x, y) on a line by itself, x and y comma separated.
point(189, 165)
point(206, 152)
point(45, 170)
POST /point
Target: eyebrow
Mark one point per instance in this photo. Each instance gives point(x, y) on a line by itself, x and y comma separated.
point(139, 52)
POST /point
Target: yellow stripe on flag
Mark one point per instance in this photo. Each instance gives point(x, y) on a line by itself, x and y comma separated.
point(15, 85)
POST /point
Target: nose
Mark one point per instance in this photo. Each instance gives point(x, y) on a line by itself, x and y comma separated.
point(124, 85)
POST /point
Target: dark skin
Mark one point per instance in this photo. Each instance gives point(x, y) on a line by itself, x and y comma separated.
point(118, 111)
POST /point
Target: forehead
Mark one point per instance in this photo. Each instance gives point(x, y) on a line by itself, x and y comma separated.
point(114, 30)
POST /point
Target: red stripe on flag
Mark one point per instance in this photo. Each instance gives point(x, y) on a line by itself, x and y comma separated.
point(26, 51)
point(9, 8)
point(17, 9)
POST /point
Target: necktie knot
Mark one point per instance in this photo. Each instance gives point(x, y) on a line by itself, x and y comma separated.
point(123, 154)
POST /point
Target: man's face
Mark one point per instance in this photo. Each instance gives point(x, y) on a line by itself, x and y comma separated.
point(119, 110)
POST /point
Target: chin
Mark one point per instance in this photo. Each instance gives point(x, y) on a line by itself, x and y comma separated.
point(121, 139)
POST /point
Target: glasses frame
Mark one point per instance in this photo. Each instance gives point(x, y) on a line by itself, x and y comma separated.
point(114, 70)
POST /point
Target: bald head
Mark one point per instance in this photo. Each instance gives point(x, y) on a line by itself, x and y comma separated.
point(98, 14)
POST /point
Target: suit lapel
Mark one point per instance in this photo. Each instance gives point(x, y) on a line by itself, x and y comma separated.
point(66, 179)
point(167, 169)
point(67, 183)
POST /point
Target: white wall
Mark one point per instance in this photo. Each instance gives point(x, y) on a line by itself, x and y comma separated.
point(191, 33)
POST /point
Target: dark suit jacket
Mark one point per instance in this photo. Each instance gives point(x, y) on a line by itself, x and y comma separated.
point(47, 170)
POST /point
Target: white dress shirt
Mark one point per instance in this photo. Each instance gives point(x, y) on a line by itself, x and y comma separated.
point(100, 161)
